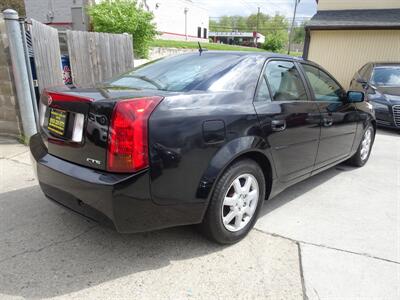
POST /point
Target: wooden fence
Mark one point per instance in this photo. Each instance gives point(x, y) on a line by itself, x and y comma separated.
point(46, 48)
point(95, 57)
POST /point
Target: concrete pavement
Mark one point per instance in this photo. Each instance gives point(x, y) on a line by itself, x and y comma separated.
point(336, 235)
point(49, 252)
point(347, 223)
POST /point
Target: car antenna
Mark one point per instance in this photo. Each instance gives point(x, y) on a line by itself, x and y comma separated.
point(201, 49)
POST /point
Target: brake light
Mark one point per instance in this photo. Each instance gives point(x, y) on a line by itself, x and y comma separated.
point(128, 135)
point(61, 97)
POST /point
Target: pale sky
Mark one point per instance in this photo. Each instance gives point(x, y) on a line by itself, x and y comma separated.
point(217, 8)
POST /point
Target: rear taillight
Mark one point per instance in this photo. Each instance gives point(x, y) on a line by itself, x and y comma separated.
point(128, 135)
point(70, 97)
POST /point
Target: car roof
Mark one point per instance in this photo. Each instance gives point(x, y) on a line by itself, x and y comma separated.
point(385, 64)
point(252, 53)
point(265, 54)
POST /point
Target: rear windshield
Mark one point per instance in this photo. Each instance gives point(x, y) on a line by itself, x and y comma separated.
point(386, 76)
point(184, 72)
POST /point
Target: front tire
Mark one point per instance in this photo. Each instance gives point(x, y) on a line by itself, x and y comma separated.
point(360, 158)
point(236, 202)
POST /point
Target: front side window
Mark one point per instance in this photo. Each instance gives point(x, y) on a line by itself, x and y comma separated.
point(363, 71)
point(285, 81)
point(323, 86)
point(386, 76)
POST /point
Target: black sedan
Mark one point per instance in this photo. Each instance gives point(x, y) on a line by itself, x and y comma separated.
point(196, 139)
point(381, 84)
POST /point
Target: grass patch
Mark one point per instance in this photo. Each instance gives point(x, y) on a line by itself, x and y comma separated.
point(194, 45)
point(298, 54)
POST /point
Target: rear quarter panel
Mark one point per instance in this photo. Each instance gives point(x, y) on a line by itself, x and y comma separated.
point(183, 165)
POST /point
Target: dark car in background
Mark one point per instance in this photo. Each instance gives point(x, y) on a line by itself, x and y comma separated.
point(197, 139)
point(381, 84)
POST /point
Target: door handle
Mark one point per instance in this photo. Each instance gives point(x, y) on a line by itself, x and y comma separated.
point(278, 125)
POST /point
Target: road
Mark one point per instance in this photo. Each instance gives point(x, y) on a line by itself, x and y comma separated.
point(336, 235)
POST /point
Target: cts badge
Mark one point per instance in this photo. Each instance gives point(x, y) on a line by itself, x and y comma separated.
point(93, 161)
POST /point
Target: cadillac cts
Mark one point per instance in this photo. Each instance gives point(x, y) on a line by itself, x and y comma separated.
point(201, 138)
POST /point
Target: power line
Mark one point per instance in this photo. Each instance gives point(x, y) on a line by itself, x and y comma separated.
point(297, 18)
point(251, 29)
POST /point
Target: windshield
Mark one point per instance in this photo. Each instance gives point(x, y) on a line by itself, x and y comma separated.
point(386, 76)
point(180, 73)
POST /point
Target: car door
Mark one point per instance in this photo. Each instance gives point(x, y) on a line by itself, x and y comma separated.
point(338, 117)
point(289, 120)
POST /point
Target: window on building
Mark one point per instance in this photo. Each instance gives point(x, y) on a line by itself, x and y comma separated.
point(205, 33)
point(199, 32)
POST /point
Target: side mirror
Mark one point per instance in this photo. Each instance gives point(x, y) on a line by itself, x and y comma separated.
point(355, 97)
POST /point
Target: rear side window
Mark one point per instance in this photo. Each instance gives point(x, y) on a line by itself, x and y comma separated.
point(285, 81)
point(323, 86)
point(263, 91)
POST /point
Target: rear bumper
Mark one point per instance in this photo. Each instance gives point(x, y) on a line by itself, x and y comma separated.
point(120, 200)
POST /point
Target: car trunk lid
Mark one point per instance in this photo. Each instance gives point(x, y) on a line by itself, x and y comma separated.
point(75, 123)
point(75, 126)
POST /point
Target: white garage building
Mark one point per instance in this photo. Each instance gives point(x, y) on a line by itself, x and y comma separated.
point(179, 19)
point(175, 19)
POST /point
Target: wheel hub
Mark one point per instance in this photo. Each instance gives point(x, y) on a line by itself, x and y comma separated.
point(240, 202)
point(366, 144)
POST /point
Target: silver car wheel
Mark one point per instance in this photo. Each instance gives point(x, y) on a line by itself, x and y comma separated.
point(240, 202)
point(366, 144)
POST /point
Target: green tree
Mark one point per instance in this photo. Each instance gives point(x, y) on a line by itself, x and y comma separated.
point(275, 28)
point(213, 25)
point(239, 23)
point(225, 24)
point(124, 16)
point(299, 34)
point(17, 5)
point(276, 34)
point(275, 42)
point(229, 23)
point(262, 22)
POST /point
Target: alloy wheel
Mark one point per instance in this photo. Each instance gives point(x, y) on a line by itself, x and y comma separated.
point(366, 144)
point(240, 202)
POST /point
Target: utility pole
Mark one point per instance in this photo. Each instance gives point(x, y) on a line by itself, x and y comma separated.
point(258, 18)
point(296, 2)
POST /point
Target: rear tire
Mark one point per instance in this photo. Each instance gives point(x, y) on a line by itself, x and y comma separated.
point(235, 204)
point(360, 158)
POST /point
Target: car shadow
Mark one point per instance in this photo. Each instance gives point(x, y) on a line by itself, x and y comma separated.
point(300, 188)
point(47, 251)
point(388, 131)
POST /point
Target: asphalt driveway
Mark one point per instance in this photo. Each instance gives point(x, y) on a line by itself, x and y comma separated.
point(336, 235)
